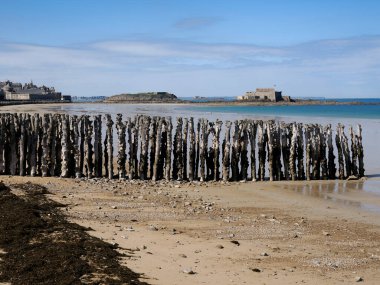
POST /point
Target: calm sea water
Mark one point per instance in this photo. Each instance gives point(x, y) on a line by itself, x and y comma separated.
point(333, 111)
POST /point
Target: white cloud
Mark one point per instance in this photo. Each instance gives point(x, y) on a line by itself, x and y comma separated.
point(346, 66)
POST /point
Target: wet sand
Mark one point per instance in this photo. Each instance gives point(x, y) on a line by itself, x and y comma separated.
point(319, 232)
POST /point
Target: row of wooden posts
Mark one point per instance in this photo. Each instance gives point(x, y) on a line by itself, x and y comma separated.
point(75, 146)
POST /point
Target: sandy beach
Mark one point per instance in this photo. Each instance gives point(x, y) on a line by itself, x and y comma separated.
point(237, 233)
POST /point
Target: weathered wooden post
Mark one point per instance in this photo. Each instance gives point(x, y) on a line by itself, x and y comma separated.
point(292, 152)
point(98, 153)
point(300, 152)
point(65, 146)
point(331, 156)
point(252, 128)
point(109, 145)
point(346, 151)
point(191, 149)
point(184, 148)
point(340, 151)
point(2, 143)
point(261, 142)
point(152, 144)
point(157, 148)
point(243, 150)
point(360, 151)
point(269, 129)
point(168, 158)
point(121, 156)
point(177, 151)
point(203, 138)
point(216, 147)
point(226, 151)
point(74, 122)
point(22, 145)
point(235, 152)
point(144, 132)
point(308, 150)
point(315, 152)
point(197, 149)
point(324, 167)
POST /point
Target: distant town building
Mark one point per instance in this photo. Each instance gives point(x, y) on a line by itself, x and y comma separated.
point(265, 95)
point(11, 91)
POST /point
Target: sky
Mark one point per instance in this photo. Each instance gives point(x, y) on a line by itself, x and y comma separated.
point(314, 48)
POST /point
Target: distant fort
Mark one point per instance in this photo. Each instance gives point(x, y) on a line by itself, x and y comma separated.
point(264, 95)
point(10, 91)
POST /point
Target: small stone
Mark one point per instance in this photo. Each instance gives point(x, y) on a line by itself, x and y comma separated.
point(264, 254)
point(235, 242)
point(188, 271)
point(153, 228)
point(359, 279)
point(220, 246)
point(326, 233)
point(256, 270)
point(182, 255)
point(114, 207)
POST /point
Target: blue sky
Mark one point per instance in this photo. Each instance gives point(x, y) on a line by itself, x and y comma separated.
point(205, 48)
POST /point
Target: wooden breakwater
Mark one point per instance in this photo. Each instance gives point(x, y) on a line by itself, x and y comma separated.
point(183, 149)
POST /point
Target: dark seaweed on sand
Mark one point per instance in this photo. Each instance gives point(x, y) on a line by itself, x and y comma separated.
point(42, 247)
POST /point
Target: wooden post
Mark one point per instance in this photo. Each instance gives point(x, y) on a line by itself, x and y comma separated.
point(331, 157)
point(152, 144)
point(168, 159)
point(121, 156)
point(300, 152)
point(243, 144)
point(184, 148)
point(261, 142)
point(226, 152)
point(292, 153)
point(191, 149)
point(340, 151)
point(75, 143)
point(360, 151)
point(109, 131)
point(252, 129)
point(98, 153)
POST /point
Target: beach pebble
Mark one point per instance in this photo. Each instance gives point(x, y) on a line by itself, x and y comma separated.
point(235, 242)
point(256, 270)
point(188, 271)
point(264, 254)
point(220, 246)
point(359, 279)
point(114, 207)
point(326, 233)
point(153, 228)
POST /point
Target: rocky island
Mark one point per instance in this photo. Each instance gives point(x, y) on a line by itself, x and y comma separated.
point(147, 97)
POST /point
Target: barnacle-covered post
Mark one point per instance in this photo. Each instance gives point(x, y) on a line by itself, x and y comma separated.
point(177, 152)
point(152, 144)
point(22, 144)
point(191, 149)
point(331, 157)
point(292, 152)
point(226, 146)
point(98, 153)
point(203, 138)
point(300, 152)
point(235, 152)
point(308, 150)
point(144, 147)
point(2, 142)
point(269, 129)
point(74, 122)
point(323, 160)
point(157, 148)
point(261, 143)
point(184, 147)
point(216, 147)
point(252, 128)
point(121, 156)
point(109, 131)
point(65, 146)
point(168, 158)
point(346, 151)
point(243, 145)
point(360, 151)
point(340, 151)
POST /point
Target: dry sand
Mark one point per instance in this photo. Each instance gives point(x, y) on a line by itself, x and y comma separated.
point(241, 233)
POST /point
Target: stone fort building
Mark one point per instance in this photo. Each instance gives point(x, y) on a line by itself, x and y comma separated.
point(265, 95)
